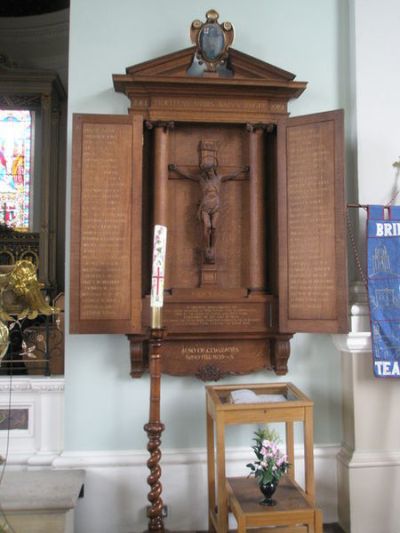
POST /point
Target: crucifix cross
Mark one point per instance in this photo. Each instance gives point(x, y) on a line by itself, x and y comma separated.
point(210, 183)
point(158, 277)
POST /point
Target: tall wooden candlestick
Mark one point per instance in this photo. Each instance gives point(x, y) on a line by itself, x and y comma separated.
point(155, 427)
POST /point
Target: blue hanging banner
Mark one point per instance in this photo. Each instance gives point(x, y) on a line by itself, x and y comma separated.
point(384, 288)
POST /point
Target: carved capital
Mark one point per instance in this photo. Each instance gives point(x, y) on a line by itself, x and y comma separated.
point(46, 101)
point(253, 128)
point(160, 124)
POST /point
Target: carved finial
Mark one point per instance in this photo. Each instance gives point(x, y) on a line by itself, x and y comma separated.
point(212, 15)
point(212, 40)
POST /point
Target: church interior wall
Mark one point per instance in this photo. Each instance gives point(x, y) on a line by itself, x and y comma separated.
point(346, 50)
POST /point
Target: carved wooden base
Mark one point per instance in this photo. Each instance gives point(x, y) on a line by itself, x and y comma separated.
point(154, 513)
point(139, 355)
point(210, 358)
point(208, 276)
point(280, 354)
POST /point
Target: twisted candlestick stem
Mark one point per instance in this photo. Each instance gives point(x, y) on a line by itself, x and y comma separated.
point(154, 428)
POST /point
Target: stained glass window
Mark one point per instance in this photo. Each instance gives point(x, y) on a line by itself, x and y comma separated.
point(15, 168)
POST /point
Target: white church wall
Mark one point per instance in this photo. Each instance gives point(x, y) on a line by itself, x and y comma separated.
point(377, 55)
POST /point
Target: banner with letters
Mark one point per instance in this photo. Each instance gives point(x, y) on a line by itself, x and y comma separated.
point(384, 288)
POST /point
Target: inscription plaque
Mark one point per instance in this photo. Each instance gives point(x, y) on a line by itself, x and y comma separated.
point(104, 211)
point(224, 357)
point(311, 234)
point(194, 316)
point(216, 317)
point(105, 190)
point(313, 270)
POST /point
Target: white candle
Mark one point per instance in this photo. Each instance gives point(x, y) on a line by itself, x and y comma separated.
point(157, 275)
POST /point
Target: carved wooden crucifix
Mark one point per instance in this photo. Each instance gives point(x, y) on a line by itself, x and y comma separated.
point(210, 183)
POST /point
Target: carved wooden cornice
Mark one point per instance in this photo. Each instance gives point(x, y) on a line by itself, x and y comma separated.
point(163, 89)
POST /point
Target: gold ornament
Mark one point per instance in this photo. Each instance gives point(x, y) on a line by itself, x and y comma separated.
point(24, 283)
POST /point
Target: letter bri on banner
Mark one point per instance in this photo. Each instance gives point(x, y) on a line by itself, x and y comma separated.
point(384, 289)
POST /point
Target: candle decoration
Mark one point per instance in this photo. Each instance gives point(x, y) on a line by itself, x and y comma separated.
point(157, 276)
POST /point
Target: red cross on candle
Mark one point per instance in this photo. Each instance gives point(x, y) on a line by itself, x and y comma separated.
point(158, 277)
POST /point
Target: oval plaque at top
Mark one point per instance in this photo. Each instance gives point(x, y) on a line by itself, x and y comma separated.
point(212, 41)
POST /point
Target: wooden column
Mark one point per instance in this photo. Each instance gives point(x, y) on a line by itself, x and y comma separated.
point(161, 130)
point(257, 244)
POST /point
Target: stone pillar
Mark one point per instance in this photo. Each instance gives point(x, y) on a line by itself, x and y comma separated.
point(369, 459)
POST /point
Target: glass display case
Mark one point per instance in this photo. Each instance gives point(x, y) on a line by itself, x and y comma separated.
point(262, 404)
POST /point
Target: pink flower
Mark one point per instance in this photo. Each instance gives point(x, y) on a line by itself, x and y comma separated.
point(282, 459)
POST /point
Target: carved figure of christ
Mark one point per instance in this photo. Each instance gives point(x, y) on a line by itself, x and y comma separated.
point(208, 211)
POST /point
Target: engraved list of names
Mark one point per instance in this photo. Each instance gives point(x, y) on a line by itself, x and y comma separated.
point(105, 243)
point(311, 222)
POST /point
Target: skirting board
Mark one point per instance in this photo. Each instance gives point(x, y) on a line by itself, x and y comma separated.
point(116, 488)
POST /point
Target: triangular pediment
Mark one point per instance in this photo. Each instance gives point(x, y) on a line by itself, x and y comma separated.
point(177, 64)
point(169, 75)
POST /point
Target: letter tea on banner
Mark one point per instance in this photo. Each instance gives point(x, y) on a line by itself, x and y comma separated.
point(384, 289)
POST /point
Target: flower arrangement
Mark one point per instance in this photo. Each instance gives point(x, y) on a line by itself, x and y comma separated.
point(271, 463)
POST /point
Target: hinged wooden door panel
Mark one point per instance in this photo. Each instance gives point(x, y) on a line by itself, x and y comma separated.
point(106, 222)
point(311, 224)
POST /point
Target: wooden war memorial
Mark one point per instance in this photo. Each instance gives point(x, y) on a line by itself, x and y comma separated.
point(253, 200)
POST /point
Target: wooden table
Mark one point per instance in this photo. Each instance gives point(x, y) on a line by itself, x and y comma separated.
point(295, 407)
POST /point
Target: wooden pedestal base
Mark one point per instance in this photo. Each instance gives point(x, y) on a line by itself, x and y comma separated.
point(208, 276)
